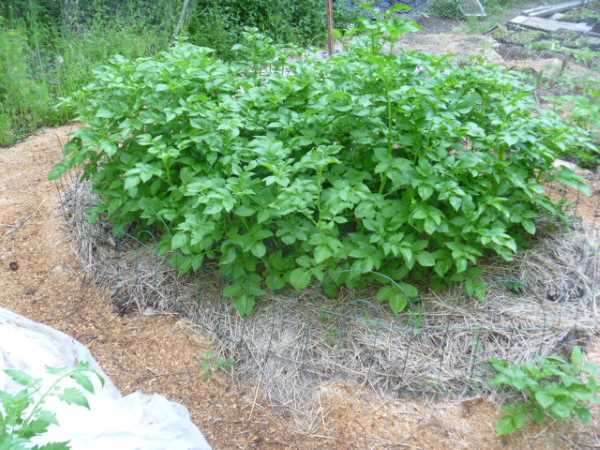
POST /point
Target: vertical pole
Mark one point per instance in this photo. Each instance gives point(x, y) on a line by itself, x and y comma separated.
point(330, 27)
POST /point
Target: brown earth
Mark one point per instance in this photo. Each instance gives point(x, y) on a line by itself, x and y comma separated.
point(40, 278)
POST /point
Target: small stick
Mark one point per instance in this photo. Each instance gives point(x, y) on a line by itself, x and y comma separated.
point(330, 27)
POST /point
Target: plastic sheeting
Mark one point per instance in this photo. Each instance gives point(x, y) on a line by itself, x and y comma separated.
point(134, 422)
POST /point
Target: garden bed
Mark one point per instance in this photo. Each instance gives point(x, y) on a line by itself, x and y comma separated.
point(542, 304)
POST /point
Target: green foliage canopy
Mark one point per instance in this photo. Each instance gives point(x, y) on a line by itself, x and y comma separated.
point(366, 167)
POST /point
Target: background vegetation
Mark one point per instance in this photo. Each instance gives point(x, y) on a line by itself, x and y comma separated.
point(49, 49)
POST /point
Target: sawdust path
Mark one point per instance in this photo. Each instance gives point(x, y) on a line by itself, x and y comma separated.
point(40, 278)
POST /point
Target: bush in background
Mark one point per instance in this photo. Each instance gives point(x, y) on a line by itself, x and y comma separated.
point(218, 25)
point(49, 49)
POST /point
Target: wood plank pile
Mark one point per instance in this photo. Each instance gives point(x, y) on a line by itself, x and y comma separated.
point(536, 18)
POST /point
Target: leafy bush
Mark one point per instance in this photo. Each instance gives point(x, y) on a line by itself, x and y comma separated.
point(303, 22)
point(22, 415)
point(448, 9)
point(552, 388)
point(366, 167)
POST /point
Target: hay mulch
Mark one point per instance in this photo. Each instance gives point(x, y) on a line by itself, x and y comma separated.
point(543, 303)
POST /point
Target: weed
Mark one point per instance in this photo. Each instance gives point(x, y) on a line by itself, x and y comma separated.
point(514, 285)
point(210, 363)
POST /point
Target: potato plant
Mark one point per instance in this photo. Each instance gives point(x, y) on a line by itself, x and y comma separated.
point(550, 388)
point(367, 168)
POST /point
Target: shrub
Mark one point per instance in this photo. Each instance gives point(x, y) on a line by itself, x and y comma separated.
point(551, 387)
point(366, 167)
point(448, 9)
point(303, 22)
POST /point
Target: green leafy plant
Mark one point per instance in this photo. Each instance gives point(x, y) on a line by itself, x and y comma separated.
point(23, 415)
point(365, 168)
point(552, 387)
point(210, 363)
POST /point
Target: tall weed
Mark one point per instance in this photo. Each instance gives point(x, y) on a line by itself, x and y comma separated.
point(23, 99)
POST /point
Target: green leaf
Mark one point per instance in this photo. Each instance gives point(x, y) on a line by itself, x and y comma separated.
point(408, 289)
point(244, 305)
point(73, 396)
point(560, 411)
point(84, 381)
point(395, 297)
point(179, 240)
point(109, 148)
point(544, 399)
point(425, 191)
point(429, 226)
point(300, 278)
point(476, 288)
point(322, 253)
point(584, 414)
point(244, 211)
point(39, 425)
point(275, 281)
point(259, 250)
point(53, 446)
point(398, 303)
point(577, 358)
point(426, 259)
point(529, 226)
point(455, 202)
point(505, 426)
point(442, 266)
point(20, 377)
point(570, 178)
point(104, 113)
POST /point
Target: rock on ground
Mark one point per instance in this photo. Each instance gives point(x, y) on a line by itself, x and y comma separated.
point(133, 422)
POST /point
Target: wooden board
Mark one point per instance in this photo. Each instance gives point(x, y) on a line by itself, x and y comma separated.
point(550, 25)
point(556, 9)
point(548, 10)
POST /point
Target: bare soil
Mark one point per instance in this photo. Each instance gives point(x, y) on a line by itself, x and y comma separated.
point(40, 278)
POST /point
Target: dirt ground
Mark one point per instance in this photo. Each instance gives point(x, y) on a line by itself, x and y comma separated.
point(40, 278)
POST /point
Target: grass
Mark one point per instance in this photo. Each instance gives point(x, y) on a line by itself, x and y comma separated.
point(42, 61)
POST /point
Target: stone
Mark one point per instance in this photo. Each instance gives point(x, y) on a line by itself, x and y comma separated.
point(134, 422)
